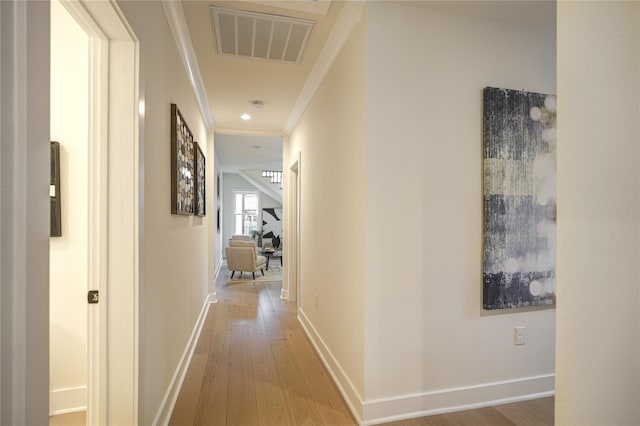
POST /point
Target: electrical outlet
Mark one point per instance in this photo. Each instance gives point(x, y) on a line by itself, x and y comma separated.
point(317, 301)
point(519, 336)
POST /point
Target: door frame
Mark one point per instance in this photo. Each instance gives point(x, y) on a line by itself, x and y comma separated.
point(114, 199)
point(293, 291)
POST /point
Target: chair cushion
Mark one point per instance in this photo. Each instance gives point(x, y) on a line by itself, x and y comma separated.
point(261, 261)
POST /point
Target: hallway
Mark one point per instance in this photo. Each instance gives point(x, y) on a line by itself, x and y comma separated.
point(254, 365)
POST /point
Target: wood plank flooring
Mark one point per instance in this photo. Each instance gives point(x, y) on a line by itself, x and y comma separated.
point(254, 365)
point(71, 419)
point(537, 412)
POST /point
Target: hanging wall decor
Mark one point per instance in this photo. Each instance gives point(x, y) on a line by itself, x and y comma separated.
point(182, 165)
point(519, 162)
point(272, 225)
point(200, 193)
point(55, 229)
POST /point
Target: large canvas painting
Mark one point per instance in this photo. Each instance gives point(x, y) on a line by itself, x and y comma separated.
point(519, 161)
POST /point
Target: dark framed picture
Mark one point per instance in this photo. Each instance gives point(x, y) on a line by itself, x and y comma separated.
point(218, 187)
point(182, 165)
point(200, 182)
point(55, 229)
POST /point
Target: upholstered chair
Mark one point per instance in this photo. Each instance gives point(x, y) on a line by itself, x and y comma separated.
point(241, 256)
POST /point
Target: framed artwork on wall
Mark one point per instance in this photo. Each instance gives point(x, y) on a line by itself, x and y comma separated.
point(182, 165)
point(519, 199)
point(200, 182)
point(55, 229)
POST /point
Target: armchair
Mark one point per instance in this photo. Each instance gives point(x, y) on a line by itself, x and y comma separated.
point(241, 256)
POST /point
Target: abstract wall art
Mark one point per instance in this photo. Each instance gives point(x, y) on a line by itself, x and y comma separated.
point(519, 207)
point(182, 165)
point(272, 225)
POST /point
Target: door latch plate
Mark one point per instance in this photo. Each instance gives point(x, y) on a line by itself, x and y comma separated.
point(93, 296)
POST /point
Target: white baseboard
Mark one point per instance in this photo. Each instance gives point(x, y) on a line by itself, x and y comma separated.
point(457, 399)
point(67, 400)
point(218, 268)
point(171, 395)
point(284, 294)
point(376, 411)
point(340, 378)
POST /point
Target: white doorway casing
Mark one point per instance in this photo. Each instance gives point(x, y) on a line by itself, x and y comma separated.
point(114, 229)
point(68, 252)
point(291, 287)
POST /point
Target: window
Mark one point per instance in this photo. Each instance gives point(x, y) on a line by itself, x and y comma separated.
point(247, 206)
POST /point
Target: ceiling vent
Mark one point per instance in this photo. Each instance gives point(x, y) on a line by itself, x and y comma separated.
point(259, 35)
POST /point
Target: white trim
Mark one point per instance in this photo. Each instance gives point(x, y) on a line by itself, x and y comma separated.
point(453, 409)
point(441, 401)
point(95, 400)
point(246, 132)
point(218, 268)
point(347, 19)
point(340, 378)
point(67, 400)
point(383, 410)
point(284, 294)
point(171, 395)
point(180, 30)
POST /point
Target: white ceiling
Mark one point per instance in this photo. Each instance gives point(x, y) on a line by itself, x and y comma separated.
point(233, 82)
point(248, 152)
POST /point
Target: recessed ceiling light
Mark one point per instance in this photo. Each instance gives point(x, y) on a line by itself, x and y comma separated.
point(245, 116)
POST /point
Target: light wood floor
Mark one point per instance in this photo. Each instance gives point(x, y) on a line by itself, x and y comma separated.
point(254, 365)
point(72, 419)
point(538, 412)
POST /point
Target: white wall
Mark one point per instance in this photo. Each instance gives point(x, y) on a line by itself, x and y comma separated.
point(216, 235)
point(68, 253)
point(175, 248)
point(330, 138)
point(598, 332)
point(234, 182)
point(24, 207)
point(428, 343)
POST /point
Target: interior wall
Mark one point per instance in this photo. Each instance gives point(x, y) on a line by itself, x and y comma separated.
point(330, 140)
point(175, 249)
point(24, 205)
point(215, 224)
point(598, 332)
point(429, 344)
point(235, 182)
point(68, 253)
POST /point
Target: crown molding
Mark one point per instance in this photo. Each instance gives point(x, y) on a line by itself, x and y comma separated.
point(247, 132)
point(347, 19)
point(178, 24)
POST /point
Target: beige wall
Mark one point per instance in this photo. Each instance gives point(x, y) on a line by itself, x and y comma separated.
point(598, 353)
point(428, 343)
point(330, 138)
point(68, 253)
point(175, 256)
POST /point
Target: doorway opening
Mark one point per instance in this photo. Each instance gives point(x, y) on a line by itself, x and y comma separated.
point(68, 246)
point(111, 171)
